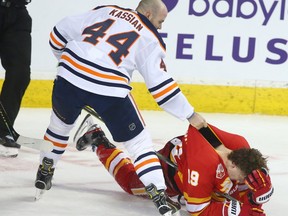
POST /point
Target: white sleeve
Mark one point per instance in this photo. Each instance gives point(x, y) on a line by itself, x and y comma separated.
point(64, 31)
point(179, 107)
point(160, 84)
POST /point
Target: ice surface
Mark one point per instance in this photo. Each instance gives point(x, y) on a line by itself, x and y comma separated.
point(83, 187)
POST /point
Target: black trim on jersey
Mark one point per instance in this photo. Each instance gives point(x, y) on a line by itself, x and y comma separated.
point(152, 28)
point(104, 69)
point(169, 97)
point(149, 170)
point(55, 48)
point(56, 135)
point(160, 85)
point(99, 7)
point(59, 35)
point(145, 155)
point(67, 67)
point(58, 152)
point(102, 6)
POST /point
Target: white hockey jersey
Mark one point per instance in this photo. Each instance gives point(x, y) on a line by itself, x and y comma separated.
point(99, 50)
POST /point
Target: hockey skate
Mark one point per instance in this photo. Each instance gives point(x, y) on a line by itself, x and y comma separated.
point(8, 147)
point(44, 177)
point(94, 136)
point(163, 203)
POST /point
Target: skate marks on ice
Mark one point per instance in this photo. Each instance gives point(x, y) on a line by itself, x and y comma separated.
point(82, 186)
point(75, 200)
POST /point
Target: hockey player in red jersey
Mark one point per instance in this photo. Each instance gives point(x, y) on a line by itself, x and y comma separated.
point(204, 176)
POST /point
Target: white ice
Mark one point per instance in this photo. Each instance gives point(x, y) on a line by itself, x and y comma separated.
point(82, 186)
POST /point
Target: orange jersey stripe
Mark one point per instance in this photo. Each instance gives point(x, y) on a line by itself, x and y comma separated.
point(262, 179)
point(119, 165)
point(65, 57)
point(146, 162)
point(165, 91)
point(194, 200)
point(61, 145)
point(55, 41)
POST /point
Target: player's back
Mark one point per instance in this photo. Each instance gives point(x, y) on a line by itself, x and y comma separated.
point(201, 172)
point(116, 33)
point(197, 161)
point(108, 43)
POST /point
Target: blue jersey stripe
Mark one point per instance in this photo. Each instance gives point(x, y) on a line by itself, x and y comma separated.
point(169, 97)
point(103, 69)
point(57, 151)
point(59, 35)
point(65, 138)
point(149, 170)
point(151, 90)
point(144, 155)
point(55, 48)
point(82, 76)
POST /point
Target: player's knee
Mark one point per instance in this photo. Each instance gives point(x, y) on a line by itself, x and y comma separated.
point(59, 127)
point(24, 82)
point(19, 78)
point(139, 145)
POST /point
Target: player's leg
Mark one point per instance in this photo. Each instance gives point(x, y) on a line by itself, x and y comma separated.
point(15, 55)
point(125, 124)
point(67, 105)
point(117, 163)
point(120, 166)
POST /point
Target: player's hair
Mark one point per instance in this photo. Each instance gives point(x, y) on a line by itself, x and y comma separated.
point(248, 159)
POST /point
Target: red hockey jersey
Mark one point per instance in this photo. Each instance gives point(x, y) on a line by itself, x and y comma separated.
point(202, 174)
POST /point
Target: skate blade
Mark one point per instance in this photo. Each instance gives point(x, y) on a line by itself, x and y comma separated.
point(169, 213)
point(84, 126)
point(177, 213)
point(39, 194)
point(8, 152)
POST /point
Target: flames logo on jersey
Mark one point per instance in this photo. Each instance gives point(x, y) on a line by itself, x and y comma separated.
point(220, 172)
point(163, 65)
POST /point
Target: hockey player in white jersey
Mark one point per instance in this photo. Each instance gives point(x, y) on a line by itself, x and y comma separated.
point(98, 51)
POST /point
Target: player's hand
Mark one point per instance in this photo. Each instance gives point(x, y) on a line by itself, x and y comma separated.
point(260, 185)
point(197, 121)
point(248, 210)
point(236, 208)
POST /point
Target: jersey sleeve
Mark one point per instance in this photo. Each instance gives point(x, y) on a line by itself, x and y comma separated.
point(160, 84)
point(63, 32)
point(230, 140)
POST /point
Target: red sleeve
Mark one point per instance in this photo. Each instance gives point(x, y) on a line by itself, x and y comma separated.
point(230, 140)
